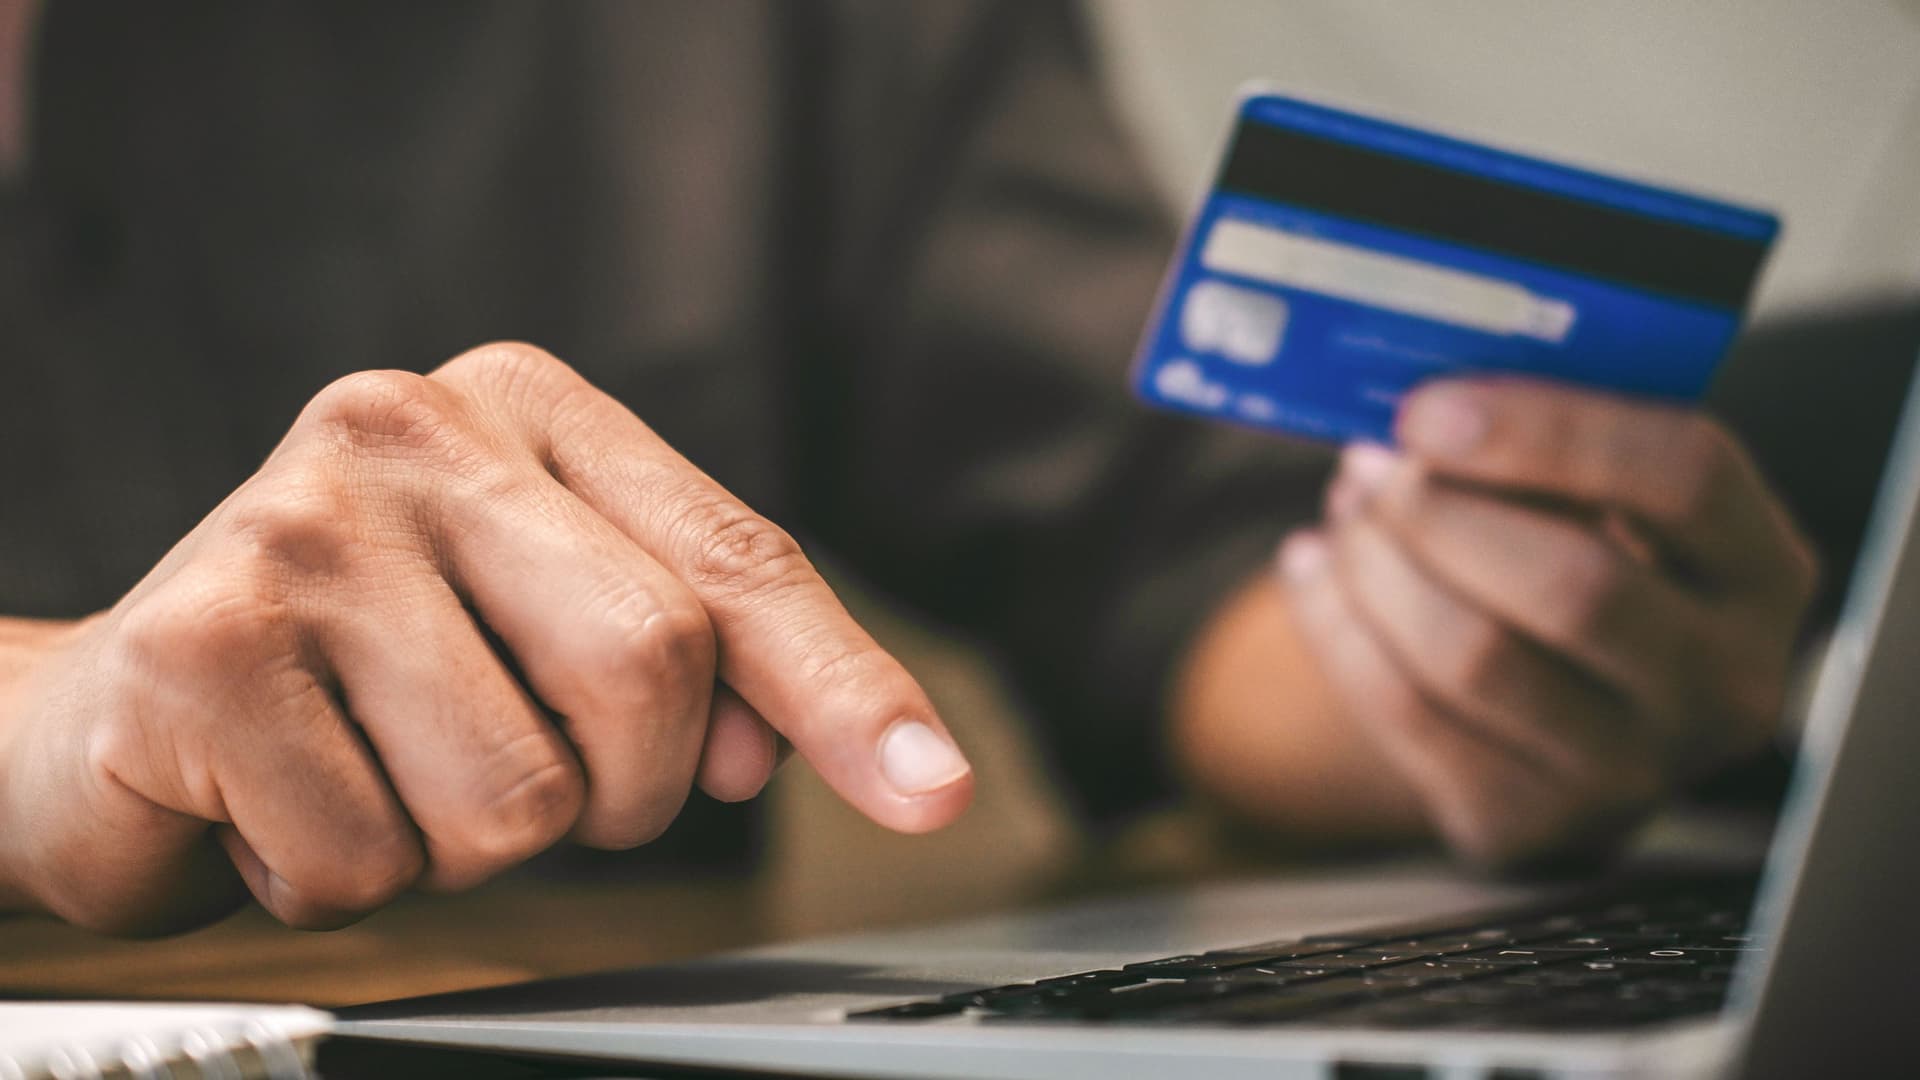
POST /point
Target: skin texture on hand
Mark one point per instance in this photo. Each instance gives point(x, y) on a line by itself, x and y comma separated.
point(453, 620)
point(1547, 612)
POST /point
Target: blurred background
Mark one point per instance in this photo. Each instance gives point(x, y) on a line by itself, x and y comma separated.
point(1810, 108)
point(1812, 111)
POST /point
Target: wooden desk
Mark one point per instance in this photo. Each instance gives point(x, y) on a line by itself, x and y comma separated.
point(511, 931)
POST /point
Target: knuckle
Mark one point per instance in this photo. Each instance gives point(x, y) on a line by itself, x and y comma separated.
point(640, 651)
point(508, 368)
point(379, 873)
point(206, 628)
point(857, 680)
point(639, 824)
point(655, 642)
point(1403, 500)
point(383, 410)
point(737, 552)
point(307, 525)
point(529, 795)
point(861, 673)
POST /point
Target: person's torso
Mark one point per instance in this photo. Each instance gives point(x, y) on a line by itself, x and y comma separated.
point(228, 208)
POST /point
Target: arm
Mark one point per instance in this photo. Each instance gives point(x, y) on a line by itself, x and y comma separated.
point(451, 620)
point(23, 644)
point(976, 451)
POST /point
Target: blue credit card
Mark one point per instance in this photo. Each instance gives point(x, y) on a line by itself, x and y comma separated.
point(1340, 260)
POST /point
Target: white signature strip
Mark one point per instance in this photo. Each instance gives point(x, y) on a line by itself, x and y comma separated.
point(1384, 281)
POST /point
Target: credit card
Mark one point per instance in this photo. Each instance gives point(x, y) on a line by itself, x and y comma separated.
point(1340, 260)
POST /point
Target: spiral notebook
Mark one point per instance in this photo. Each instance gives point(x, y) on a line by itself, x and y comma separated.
point(137, 1040)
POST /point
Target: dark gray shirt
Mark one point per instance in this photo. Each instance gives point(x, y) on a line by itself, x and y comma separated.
point(878, 267)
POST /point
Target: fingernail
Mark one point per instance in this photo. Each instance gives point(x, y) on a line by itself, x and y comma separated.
point(1442, 421)
point(1302, 557)
point(916, 759)
point(1368, 465)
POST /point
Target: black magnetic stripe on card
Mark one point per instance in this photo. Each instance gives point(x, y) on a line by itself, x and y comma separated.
point(1333, 177)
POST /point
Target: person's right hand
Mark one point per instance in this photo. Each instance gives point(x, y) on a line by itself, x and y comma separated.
point(453, 619)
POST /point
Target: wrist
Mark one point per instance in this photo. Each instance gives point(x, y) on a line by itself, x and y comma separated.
point(1259, 734)
point(25, 646)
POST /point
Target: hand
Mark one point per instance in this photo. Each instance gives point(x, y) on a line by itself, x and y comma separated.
point(1551, 608)
point(452, 620)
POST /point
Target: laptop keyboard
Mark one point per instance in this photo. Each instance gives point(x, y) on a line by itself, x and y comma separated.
point(1633, 959)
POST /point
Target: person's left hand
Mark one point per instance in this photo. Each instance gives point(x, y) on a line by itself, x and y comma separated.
point(1551, 608)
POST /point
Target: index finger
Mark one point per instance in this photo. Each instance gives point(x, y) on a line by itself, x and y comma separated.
point(786, 643)
point(1674, 469)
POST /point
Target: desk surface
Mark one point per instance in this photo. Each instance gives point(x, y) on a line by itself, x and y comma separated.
point(508, 932)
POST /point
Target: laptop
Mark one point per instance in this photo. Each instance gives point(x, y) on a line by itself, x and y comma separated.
point(1802, 962)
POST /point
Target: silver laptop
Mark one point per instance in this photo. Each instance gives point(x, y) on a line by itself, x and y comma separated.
point(1805, 963)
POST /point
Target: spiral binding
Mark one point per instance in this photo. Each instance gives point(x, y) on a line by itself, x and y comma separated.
point(256, 1052)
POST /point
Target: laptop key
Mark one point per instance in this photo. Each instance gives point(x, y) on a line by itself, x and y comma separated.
point(1659, 955)
point(1277, 1005)
point(1445, 967)
point(1063, 993)
point(1526, 956)
point(1633, 961)
point(1410, 976)
point(1228, 959)
point(1345, 961)
point(1105, 1003)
